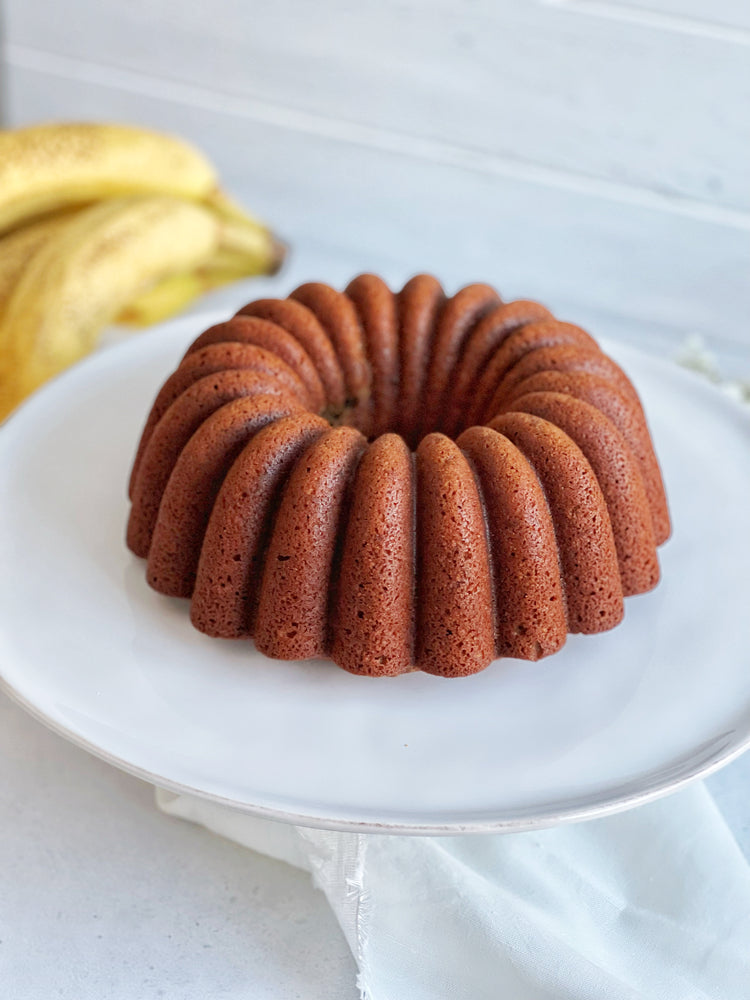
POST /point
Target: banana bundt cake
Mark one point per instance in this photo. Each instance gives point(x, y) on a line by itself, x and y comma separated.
point(398, 481)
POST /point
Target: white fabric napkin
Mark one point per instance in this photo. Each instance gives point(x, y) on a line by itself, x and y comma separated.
point(651, 904)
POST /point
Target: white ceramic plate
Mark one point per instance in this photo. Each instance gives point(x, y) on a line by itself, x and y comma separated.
point(609, 722)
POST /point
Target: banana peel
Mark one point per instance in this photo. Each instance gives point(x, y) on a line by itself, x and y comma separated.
point(104, 222)
point(17, 249)
point(45, 167)
point(82, 277)
point(175, 293)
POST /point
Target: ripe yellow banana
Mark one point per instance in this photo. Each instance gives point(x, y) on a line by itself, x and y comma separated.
point(44, 167)
point(175, 293)
point(82, 276)
point(17, 249)
point(167, 298)
point(246, 248)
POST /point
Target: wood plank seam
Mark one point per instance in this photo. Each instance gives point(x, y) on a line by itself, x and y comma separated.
point(654, 19)
point(384, 140)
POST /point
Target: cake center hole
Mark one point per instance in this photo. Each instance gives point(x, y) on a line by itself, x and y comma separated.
point(412, 423)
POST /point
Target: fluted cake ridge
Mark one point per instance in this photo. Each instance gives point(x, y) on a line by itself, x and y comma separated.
point(398, 480)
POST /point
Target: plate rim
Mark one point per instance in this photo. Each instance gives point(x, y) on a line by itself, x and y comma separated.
point(509, 824)
point(545, 820)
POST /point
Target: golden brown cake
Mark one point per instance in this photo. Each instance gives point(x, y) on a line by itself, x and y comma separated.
point(398, 481)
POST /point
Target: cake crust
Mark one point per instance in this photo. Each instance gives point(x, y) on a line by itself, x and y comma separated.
point(398, 480)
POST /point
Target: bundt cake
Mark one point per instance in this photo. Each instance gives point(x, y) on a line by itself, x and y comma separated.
point(398, 481)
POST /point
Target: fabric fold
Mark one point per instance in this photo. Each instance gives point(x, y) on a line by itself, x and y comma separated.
point(652, 904)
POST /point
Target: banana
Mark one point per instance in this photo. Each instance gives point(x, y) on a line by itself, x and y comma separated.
point(117, 221)
point(85, 273)
point(174, 294)
point(45, 167)
point(17, 249)
point(245, 250)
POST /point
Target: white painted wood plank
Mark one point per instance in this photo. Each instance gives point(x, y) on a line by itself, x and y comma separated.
point(434, 151)
point(522, 80)
point(718, 13)
point(347, 208)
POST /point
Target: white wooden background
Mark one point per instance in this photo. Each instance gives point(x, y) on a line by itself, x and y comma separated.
point(593, 154)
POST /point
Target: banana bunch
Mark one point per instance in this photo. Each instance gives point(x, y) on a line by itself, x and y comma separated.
point(105, 223)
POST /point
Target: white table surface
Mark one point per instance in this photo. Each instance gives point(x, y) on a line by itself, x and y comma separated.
point(102, 896)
